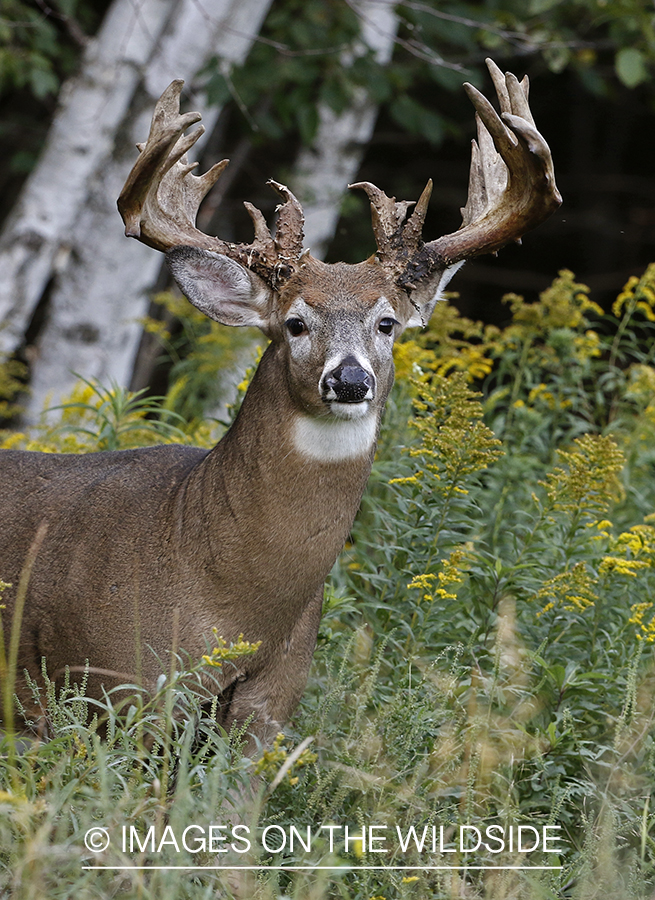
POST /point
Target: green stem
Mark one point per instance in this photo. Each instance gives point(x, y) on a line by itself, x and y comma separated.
point(8, 663)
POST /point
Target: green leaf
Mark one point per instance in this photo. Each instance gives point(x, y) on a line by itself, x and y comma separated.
point(43, 82)
point(631, 67)
point(417, 119)
point(557, 58)
point(558, 674)
point(335, 93)
point(307, 117)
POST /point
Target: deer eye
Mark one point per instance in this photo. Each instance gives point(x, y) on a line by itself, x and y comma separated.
point(386, 325)
point(295, 326)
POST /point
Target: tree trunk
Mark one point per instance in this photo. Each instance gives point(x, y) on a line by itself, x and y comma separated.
point(324, 170)
point(64, 243)
point(36, 240)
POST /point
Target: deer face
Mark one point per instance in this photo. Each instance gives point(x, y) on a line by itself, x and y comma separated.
point(336, 326)
point(333, 325)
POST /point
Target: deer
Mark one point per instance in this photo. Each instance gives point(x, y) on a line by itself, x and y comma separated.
point(146, 550)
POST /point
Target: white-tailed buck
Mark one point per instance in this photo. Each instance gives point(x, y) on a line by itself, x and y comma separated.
point(242, 538)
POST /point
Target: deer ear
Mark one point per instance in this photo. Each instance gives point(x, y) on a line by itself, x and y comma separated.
point(221, 288)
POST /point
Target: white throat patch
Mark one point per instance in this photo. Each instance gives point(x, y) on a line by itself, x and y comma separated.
point(334, 440)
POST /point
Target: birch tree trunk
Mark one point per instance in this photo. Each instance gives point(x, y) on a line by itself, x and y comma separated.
point(324, 170)
point(36, 240)
point(65, 239)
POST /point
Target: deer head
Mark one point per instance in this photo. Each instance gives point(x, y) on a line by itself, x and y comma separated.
point(155, 547)
point(335, 324)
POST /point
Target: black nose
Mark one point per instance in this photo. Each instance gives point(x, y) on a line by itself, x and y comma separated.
point(349, 381)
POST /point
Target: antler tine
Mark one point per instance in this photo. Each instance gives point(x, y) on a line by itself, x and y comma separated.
point(166, 127)
point(487, 175)
point(512, 183)
point(160, 200)
point(512, 93)
point(413, 229)
point(291, 221)
point(388, 216)
point(511, 190)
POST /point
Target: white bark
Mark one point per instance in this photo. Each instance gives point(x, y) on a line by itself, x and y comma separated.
point(66, 225)
point(36, 239)
point(324, 170)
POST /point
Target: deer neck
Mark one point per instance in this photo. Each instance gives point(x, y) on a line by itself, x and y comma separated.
point(278, 493)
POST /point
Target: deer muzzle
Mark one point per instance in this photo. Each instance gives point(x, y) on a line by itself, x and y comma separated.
point(348, 382)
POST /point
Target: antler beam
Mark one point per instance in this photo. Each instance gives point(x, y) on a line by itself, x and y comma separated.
point(160, 200)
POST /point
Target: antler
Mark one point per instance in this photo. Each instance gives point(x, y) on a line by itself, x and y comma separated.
point(160, 200)
point(511, 190)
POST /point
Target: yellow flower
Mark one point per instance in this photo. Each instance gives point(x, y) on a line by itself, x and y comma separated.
point(573, 589)
point(590, 480)
point(451, 573)
point(625, 296)
point(425, 583)
point(13, 440)
point(618, 566)
point(637, 294)
point(646, 630)
point(408, 479)
point(410, 359)
point(562, 305)
point(546, 608)
point(222, 651)
point(587, 345)
point(647, 309)
point(455, 444)
point(272, 759)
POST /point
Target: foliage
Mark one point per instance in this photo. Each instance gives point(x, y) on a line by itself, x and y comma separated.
point(311, 53)
point(97, 418)
point(298, 65)
point(12, 373)
point(485, 655)
point(41, 46)
point(40, 43)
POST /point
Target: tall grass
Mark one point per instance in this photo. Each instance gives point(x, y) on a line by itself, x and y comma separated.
point(485, 656)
